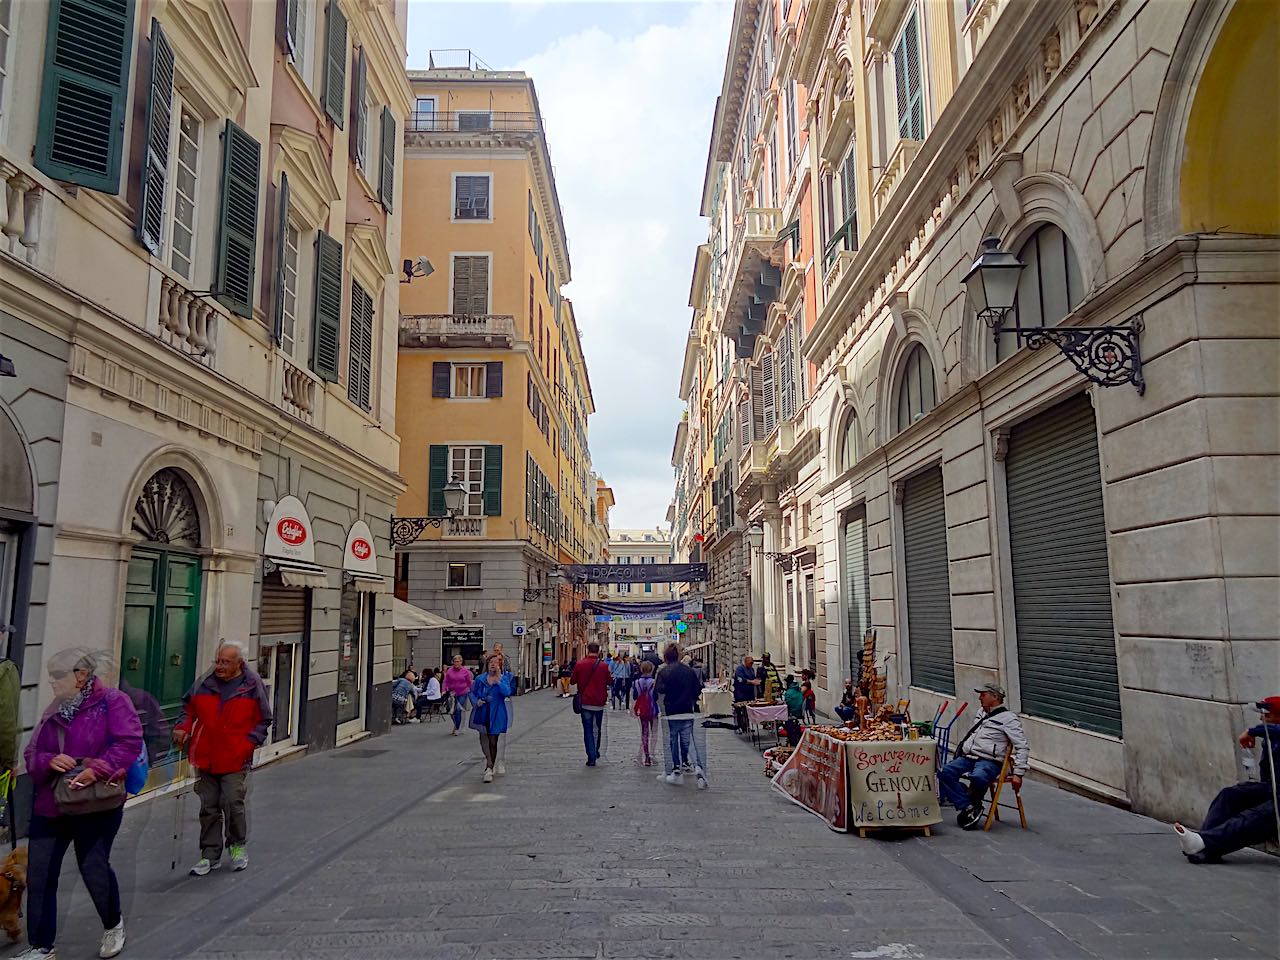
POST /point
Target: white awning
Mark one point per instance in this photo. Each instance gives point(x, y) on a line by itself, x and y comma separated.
point(297, 573)
point(405, 616)
point(365, 583)
point(697, 646)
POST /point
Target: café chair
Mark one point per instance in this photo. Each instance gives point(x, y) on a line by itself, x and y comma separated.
point(993, 812)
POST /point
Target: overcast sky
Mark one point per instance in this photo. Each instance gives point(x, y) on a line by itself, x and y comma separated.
point(627, 92)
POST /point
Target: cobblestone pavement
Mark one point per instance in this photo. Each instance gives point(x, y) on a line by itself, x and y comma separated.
point(395, 848)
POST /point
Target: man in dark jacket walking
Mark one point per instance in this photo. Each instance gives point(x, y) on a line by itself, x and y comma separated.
point(226, 715)
point(678, 688)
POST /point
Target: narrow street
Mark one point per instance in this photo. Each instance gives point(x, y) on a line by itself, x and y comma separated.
point(394, 848)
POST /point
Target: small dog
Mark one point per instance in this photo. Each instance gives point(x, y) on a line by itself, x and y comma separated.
point(13, 882)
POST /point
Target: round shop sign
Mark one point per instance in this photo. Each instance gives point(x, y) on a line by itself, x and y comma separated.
point(289, 532)
point(292, 531)
point(361, 548)
point(361, 557)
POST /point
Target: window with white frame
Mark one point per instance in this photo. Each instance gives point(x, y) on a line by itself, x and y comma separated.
point(468, 380)
point(467, 464)
point(462, 575)
point(793, 123)
point(292, 289)
point(371, 145)
point(470, 284)
point(917, 394)
point(300, 16)
point(471, 196)
point(184, 185)
point(1049, 287)
point(424, 114)
point(7, 8)
point(909, 80)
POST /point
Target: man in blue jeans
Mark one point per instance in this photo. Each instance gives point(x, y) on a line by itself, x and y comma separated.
point(591, 677)
point(678, 688)
point(980, 755)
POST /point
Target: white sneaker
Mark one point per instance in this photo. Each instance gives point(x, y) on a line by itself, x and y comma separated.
point(676, 778)
point(702, 779)
point(239, 856)
point(500, 769)
point(488, 775)
point(38, 953)
point(1191, 841)
point(203, 866)
point(112, 940)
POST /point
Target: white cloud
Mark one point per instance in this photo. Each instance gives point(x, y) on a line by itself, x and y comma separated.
point(628, 120)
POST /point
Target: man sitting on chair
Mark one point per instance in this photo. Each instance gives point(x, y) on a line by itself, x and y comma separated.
point(980, 755)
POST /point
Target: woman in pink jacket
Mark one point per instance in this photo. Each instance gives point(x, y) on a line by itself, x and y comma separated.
point(458, 680)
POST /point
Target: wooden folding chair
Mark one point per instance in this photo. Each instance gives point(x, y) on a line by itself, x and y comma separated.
point(993, 814)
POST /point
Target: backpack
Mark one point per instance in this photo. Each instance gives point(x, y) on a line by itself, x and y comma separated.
point(646, 708)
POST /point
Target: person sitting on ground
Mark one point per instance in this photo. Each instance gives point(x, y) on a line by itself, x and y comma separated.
point(847, 708)
point(1243, 814)
point(980, 755)
point(403, 692)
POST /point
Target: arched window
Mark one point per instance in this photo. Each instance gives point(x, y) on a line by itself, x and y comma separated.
point(916, 392)
point(166, 511)
point(850, 445)
point(1049, 286)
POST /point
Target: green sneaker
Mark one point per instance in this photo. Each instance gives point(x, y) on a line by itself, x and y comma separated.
point(239, 856)
point(203, 866)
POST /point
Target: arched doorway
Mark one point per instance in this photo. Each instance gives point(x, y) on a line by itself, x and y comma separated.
point(160, 641)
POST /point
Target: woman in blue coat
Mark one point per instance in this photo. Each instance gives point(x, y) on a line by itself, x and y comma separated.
point(491, 715)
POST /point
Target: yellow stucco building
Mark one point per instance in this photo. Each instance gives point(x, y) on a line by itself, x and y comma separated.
point(495, 392)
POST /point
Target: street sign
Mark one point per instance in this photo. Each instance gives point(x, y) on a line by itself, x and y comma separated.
point(635, 572)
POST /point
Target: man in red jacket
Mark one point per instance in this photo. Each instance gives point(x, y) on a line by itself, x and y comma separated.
point(225, 717)
point(591, 677)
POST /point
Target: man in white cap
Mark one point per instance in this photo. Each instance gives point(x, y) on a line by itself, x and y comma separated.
point(980, 755)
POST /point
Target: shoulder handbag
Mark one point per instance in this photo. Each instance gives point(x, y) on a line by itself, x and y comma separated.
point(577, 697)
point(96, 797)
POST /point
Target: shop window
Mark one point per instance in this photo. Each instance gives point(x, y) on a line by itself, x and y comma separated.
point(1049, 287)
point(916, 391)
point(464, 575)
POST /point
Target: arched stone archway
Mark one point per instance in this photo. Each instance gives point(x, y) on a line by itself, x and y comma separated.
point(911, 328)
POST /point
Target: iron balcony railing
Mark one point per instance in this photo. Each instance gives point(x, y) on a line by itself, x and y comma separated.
point(846, 238)
point(474, 121)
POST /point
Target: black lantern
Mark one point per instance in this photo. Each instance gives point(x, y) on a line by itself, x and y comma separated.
point(992, 283)
point(455, 497)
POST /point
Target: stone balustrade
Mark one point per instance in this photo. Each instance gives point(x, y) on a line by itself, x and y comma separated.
point(20, 212)
point(894, 170)
point(188, 322)
point(298, 390)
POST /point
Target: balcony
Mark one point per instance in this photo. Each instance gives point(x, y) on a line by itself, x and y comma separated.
point(469, 127)
point(458, 528)
point(297, 391)
point(982, 15)
point(894, 173)
point(755, 245)
point(840, 129)
point(753, 463)
point(188, 323)
point(20, 201)
point(457, 330)
point(844, 240)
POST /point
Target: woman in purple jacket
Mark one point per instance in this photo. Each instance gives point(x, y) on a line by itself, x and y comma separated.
point(92, 724)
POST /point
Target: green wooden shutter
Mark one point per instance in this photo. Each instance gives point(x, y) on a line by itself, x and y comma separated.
point(857, 584)
point(360, 110)
point(335, 65)
point(909, 82)
point(1061, 578)
point(387, 180)
point(290, 34)
point(924, 541)
point(282, 231)
point(84, 92)
point(327, 329)
point(493, 480)
point(238, 221)
point(150, 225)
point(360, 349)
point(437, 477)
point(848, 186)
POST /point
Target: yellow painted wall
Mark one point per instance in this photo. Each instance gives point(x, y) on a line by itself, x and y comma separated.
point(1231, 168)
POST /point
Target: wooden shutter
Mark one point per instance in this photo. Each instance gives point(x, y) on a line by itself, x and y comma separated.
point(156, 163)
point(387, 179)
point(769, 383)
point(848, 187)
point(441, 378)
point(84, 91)
point(1061, 579)
point(287, 24)
point(470, 285)
point(437, 477)
point(359, 110)
point(493, 480)
point(744, 422)
point(238, 221)
point(924, 538)
point(857, 584)
point(327, 328)
point(360, 348)
point(493, 378)
point(282, 233)
point(909, 82)
point(335, 65)
point(786, 373)
point(900, 89)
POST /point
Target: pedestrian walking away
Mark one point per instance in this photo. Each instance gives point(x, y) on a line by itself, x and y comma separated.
point(458, 681)
point(226, 715)
point(1245, 813)
point(980, 755)
point(591, 677)
point(646, 709)
point(678, 688)
point(491, 712)
point(633, 674)
point(77, 758)
point(619, 673)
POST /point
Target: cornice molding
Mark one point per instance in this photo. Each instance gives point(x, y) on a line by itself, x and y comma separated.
point(311, 186)
point(210, 57)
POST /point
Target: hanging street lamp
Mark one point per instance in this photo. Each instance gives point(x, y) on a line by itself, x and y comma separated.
point(1107, 356)
point(405, 530)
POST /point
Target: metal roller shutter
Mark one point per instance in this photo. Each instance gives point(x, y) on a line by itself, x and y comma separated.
point(284, 609)
point(1061, 580)
point(924, 536)
point(857, 589)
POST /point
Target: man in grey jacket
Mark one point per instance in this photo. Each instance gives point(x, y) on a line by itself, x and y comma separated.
point(980, 754)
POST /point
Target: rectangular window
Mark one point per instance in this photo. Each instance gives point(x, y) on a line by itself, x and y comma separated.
point(360, 348)
point(471, 285)
point(424, 114)
point(468, 380)
point(186, 166)
point(289, 316)
point(6, 29)
point(909, 81)
point(471, 197)
point(369, 147)
point(793, 133)
point(475, 120)
point(467, 464)
point(464, 575)
point(301, 38)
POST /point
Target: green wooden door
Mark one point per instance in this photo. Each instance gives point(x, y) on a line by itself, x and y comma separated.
point(161, 626)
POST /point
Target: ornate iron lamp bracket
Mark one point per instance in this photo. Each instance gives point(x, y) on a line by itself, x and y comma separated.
point(405, 530)
point(1107, 356)
point(784, 560)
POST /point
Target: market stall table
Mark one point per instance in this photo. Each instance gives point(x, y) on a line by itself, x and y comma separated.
point(759, 716)
point(717, 702)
